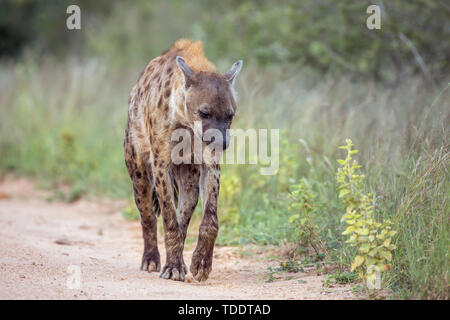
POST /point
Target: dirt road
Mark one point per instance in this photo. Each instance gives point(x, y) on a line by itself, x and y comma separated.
point(46, 247)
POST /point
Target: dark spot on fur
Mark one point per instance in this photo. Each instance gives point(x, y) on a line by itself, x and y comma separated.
point(155, 78)
point(160, 102)
point(126, 135)
point(167, 93)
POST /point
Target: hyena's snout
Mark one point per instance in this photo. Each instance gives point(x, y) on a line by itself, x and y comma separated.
point(217, 138)
point(221, 141)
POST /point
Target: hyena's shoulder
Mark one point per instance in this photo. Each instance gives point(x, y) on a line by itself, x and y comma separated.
point(161, 74)
point(148, 114)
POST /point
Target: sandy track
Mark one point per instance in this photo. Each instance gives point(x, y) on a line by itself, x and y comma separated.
point(40, 240)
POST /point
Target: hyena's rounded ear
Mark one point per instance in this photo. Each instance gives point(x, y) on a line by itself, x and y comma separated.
point(188, 74)
point(233, 72)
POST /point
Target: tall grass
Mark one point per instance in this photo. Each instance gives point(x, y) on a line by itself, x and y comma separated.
point(422, 262)
point(63, 123)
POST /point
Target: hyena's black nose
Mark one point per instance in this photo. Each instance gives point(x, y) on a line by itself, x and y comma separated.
point(225, 138)
point(226, 141)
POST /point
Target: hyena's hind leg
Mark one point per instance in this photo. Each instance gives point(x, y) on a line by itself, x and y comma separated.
point(143, 196)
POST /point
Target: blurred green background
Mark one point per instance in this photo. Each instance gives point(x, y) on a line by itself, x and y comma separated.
point(311, 69)
point(325, 34)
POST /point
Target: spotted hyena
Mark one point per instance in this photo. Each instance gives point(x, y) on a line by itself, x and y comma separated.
point(177, 90)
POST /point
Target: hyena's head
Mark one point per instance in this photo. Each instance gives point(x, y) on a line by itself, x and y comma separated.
point(210, 100)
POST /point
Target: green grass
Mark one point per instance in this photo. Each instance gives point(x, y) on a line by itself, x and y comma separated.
point(65, 126)
point(62, 123)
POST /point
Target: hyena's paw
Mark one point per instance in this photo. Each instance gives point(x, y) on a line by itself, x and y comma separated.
point(175, 271)
point(201, 266)
point(151, 261)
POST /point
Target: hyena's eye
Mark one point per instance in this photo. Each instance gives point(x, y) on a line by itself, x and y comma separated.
point(203, 114)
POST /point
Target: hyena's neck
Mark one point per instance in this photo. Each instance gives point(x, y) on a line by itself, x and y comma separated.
point(178, 112)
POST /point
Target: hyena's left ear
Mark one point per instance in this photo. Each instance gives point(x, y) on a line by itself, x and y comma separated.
point(187, 71)
point(233, 72)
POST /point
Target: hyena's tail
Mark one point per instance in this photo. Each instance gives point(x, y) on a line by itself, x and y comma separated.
point(155, 203)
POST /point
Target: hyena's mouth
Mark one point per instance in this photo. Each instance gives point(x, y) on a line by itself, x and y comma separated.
point(219, 143)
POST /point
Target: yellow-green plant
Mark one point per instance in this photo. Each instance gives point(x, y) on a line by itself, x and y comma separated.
point(372, 239)
point(302, 206)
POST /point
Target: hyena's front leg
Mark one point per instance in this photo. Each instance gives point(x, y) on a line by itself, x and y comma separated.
point(202, 258)
point(187, 179)
point(174, 267)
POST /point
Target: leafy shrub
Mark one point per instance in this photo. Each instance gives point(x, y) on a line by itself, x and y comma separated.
point(302, 206)
point(372, 239)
